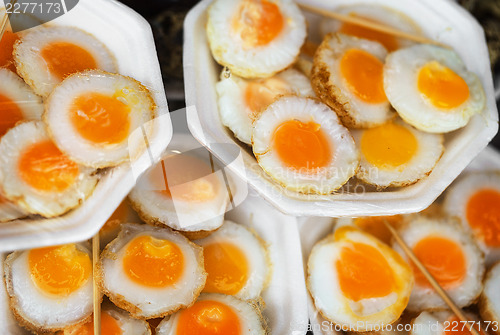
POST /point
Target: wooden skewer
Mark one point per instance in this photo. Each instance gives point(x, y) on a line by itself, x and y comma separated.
point(3, 23)
point(442, 293)
point(368, 24)
point(97, 293)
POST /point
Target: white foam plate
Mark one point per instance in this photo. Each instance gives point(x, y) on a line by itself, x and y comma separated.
point(441, 20)
point(130, 39)
point(313, 230)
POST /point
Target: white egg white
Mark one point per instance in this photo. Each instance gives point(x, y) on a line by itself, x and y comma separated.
point(345, 156)
point(489, 305)
point(401, 73)
point(254, 62)
point(10, 211)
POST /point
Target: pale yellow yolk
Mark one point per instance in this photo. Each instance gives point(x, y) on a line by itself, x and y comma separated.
point(153, 262)
point(10, 114)
point(64, 59)
point(100, 118)
point(388, 146)
point(443, 87)
point(388, 41)
point(483, 215)
point(364, 273)
point(443, 258)
point(261, 93)
point(227, 268)
point(6, 48)
point(44, 167)
point(364, 74)
point(302, 146)
point(375, 225)
point(209, 317)
point(109, 326)
point(59, 270)
point(258, 22)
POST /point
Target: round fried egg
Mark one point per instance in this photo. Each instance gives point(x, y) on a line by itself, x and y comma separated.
point(37, 176)
point(396, 154)
point(489, 305)
point(47, 55)
point(91, 116)
point(431, 89)
point(255, 38)
point(184, 193)
point(214, 314)
point(357, 281)
point(151, 272)
point(241, 101)
point(474, 200)
point(50, 288)
point(302, 145)
point(444, 322)
point(374, 225)
point(17, 101)
point(236, 262)
point(450, 255)
point(347, 75)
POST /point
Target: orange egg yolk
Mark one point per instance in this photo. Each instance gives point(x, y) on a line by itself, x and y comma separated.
point(260, 94)
point(364, 273)
point(6, 48)
point(59, 270)
point(388, 41)
point(258, 22)
point(64, 59)
point(457, 327)
point(209, 317)
point(443, 87)
point(44, 167)
point(388, 146)
point(10, 114)
point(443, 258)
point(109, 326)
point(100, 118)
point(153, 262)
point(483, 215)
point(364, 75)
point(302, 146)
point(227, 268)
point(375, 226)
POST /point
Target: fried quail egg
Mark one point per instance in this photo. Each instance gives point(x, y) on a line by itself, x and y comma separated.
point(374, 225)
point(151, 272)
point(444, 322)
point(236, 262)
point(214, 314)
point(396, 154)
point(241, 101)
point(475, 200)
point(91, 116)
point(45, 56)
point(357, 281)
point(50, 288)
point(376, 14)
point(255, 38)
point(37, 176)
point(450, 255)
point(301, 144)
point(431, 89)
point(184, 193)
point(347, 75)
point(17, 101)
point(489, 305)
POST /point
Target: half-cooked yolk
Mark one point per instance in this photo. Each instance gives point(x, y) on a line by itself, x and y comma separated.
point(364, 74)
point(375, 225)
point(258, 22)
point(388, 146)
point(6, 48)
point(64, 59)
point(302, 146)
point(483, 215)
point(261, 93)
point(44, 167)
point(227, 268)
point(388, 41)
point(153, 262)
point(209, 317)
point(100, 118)
point(443, 258)
point(364, 273)
point(59, 270)
point(442, 86)
point(10, 114)
point(109, 326)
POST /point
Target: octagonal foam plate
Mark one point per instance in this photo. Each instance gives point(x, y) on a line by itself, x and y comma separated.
point(441, 20)
point(129, 37)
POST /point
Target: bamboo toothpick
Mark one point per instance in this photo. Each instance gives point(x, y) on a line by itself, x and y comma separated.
point(442, 293)
point(97, 294)
point(5, 19)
